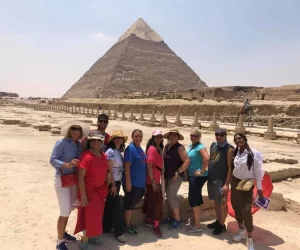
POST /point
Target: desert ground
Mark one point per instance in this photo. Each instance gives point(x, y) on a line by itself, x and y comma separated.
point(29, 208)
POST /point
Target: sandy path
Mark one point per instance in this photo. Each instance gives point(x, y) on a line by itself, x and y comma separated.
point(28, 207)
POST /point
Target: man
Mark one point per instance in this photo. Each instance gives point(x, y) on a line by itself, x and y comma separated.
point(219, 177)
point(247, 105)
point(102, 125)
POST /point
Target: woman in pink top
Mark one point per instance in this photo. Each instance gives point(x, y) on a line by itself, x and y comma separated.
point(153, 206)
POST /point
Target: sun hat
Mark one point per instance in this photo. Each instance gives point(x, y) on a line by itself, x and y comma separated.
point(66, 126)
point(173, 130)
point(156, 132)
point(95, 135)
point(117, 133)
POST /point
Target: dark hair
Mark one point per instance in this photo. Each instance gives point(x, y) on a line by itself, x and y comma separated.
point(250, 158)
point(151, 142)
point(113, 146)
point(104, 116)
point(136, 130)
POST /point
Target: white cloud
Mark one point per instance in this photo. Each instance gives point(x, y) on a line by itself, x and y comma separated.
point(103, 37)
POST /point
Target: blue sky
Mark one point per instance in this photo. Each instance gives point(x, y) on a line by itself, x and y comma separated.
point(46, 46)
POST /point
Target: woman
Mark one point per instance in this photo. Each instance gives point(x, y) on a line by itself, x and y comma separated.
point(134, 179)
point(92, 174)
point(176, 162)
point(154, 200)
point(112, 218)
point(197, 172)
point(247, 166)
point(65, 158)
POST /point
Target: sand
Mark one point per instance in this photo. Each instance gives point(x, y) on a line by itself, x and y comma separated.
point(29, 207)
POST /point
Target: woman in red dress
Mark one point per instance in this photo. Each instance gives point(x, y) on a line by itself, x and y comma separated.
point(92, 174)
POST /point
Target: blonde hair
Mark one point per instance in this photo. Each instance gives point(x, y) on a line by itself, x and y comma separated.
point(196, 132)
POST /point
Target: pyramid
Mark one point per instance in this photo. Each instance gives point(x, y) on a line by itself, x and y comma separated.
point(140, 61)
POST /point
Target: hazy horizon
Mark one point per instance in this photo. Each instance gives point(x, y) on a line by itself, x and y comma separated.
point(46, 47)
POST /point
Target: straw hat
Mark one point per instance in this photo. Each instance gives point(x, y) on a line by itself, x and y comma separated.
point(173, 130)
point(117, 133)
point(66, 126)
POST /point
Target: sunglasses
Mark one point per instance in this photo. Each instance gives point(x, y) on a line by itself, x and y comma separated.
point(195, 136)
point(219, 135)
point(76, 128)
point(103, 121)
point(96, 140)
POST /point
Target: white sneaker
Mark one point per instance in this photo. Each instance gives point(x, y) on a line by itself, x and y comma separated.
point(240, 236)
point(250, 244)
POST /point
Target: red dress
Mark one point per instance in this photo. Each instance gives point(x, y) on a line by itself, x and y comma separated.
point(90, 217)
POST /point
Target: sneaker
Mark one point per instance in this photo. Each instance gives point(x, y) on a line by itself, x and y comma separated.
point(121, 238)
point(157, 232)
point(194, 230)
point(250, 244)
point(95, 240)
point(62, 246)
point(69, 238)
point(175, 225)
point(149, 222)
point(131, 231)
point(219, 229)
point(189, 222)
point(213, 225)
point(241, 235)
point(168, 221)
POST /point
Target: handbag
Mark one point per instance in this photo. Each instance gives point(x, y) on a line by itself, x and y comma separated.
point(68, 180)
point(245, 185)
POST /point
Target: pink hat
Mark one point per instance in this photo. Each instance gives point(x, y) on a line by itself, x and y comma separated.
point(156, 132)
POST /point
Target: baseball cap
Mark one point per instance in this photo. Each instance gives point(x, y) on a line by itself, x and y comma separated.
point(221, 131)
point(156, 132)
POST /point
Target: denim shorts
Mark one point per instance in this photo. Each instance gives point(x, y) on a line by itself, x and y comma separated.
point(195, 190)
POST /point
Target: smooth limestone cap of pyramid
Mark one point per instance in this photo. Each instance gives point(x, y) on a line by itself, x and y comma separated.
point(142, 30)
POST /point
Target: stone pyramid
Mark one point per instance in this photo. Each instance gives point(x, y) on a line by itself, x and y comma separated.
point(139, 62)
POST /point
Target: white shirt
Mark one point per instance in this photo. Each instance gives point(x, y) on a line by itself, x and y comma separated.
point(256, 171)
point(117, 167)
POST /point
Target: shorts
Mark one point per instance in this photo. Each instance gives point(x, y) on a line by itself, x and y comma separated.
point(132, 198)
point(66, 196)
point(213, 189)
point(195, 190)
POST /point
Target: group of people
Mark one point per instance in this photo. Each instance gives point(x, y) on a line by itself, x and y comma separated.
point(91, 167)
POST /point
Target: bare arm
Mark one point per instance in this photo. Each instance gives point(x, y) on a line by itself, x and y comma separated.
point(205, 159)
point(184, 157)
point(110, 173)
point(229, 164)
point(150, 170)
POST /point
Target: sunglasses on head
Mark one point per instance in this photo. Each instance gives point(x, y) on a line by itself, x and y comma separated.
point(76, 128)
point(195, 136)
point(96, 140)
point(103, 121)
point(220, 135)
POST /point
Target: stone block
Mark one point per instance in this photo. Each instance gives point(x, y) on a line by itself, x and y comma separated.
point(277, 202)
point(279, 171)
point(10, 121)
point(55, 131)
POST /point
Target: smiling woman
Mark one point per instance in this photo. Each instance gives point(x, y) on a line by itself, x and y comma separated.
point(65, 158)
point(92, 175)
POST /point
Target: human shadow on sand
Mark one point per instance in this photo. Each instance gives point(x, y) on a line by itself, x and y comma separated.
point(263, 239)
